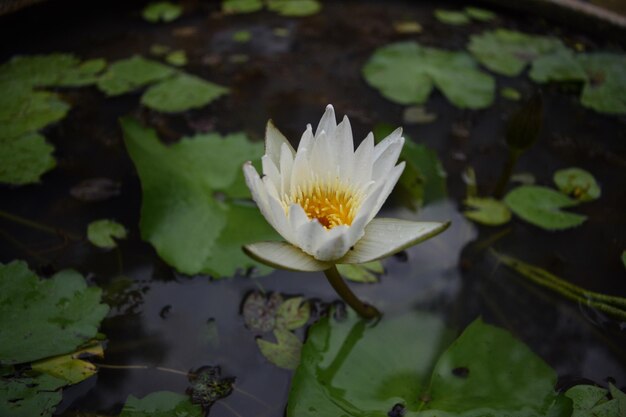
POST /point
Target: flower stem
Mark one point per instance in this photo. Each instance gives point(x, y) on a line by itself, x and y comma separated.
point(337, 282)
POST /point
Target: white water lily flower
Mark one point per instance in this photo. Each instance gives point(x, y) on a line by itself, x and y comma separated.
point(322, 199)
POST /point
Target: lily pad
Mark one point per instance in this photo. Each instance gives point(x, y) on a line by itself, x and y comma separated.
point(177, 58)
point(407, 72)
point(352, 368)
point(540, 206)
point(510, 94)
point(208, 386)
point(487, 211)
point(161, 404)
point(508, 52)
point(162, 11)
point(241, 6)
point(43, 318)
point(559, 66)
point(285, 353)
point(23, 110)
point(592, 401)
point(293, 313)
point(181, 93)
point(259, 311)
point(294, 7)
point(242, 36)
point(188, 210)
point(30, 396)
point(24, 160)
point(605, 90)
point(53, 70)
point(577, 183)
point(130, 74)
point(361, 272)
point(452, 17)
point(103, 233)
point(482, 15)
point(72, 368)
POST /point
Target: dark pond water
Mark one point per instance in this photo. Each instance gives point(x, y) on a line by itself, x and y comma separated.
point(160, 316)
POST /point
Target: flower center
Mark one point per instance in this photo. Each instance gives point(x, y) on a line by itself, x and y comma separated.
point(332, 204)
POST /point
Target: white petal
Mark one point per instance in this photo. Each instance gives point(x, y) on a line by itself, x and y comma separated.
point(301, 170)
point(323, 157)
point(270, 170)
point(297, 216)
point(307, 138)
point(334, 245)
point(310, 236)
point(384, 237)
point(364, 160)
point(393, 136)
point(387, 159)
point(281, 222)
point(274, 141)
point(328, 123)
point(286, 165)
point(390, 182)
point(284, 256)
point(344, 148)
point(259, 192)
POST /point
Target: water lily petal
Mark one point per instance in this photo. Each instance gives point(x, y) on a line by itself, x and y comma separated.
point(259, 192)
point(391, 180)
point(271, 171)
point(364, 160)
point(307, 138)
point(286, 165)
point(323, 157)
point(344, 147)
point(310, 236)
point(283, 255)
point(327, 123)
point(297, 216)
point(382, 146)
point(387, 159)
point(334, 245)
point(384, 237)
point(274, 140)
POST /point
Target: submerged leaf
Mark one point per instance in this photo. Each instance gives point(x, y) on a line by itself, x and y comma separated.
point(259, 312)
point(30, 396)
point(102, 233)
point(130, 74)
point(508, 52)
point(161, 404)
point(540, 206)
point(43, 318)
point(23, 160)
point(488, 211)
point(71, 367)
point(181, 93)
point(241, 6)
point(480, 14)
point(577, 183)
point(406, 73)
point(294, 7)
point(164, 11)
point(452, 17)
point(510, 94)
point(188, 209)
point(177, 58)
point(208, 386)
point(285, 353)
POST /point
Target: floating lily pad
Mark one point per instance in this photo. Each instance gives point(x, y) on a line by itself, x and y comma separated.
point(452, 17)
point(241, 6)
point(132, 73)
point(510, 94)
point(259, 311)
point(418, 115)
point(577, 183)
point(187, 212)
point(95, 189)
point(181, 93)
point(24, 160)
point(161, 404)
point(540, 206)
point(294, 7)
point(72, 368)
point(43, 318)
point(352, 368)
point(285, 353)
point(407, 72)
point(592, 401)
point(30, 397)
point(103, 233)
point(53, 70)
point(508, 52)
point(208, 386)
point(162, 11)
point(177, 58)
point(242, 36)
point(293, 313)
point(407, 27)
point(23, 110)
point(361, 272)
point(559, 66)
point(487, 211)
point(480, 14)
point(605, 90)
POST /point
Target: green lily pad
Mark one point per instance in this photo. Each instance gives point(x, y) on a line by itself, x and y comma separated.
point(559, 66)
point(181, 93)
point(72, 368)
point(285, 353)
point(361, 272)
point(43, 318)
point(24, 160)
point(177, 58)
point(161, 404)
point(241, 6)
point(620, 396)
point(624, 258)
point(162, 11)
point(577, 183)
point(23, 110)
point(30, 396)
point(417, 115)
point(540, 206)
point(351, 368)
point(407, 72)
point(487, 211)
point(592, 401)
point(130, 74)
point(452, 17)
point(605, 90)
point(295, 8)
point(53, 70)
point(189, 212)
point(508, 52)
point(510, 94)
point(480, 14)
point(242, 36)
point(293, 313)
point(102, 233)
